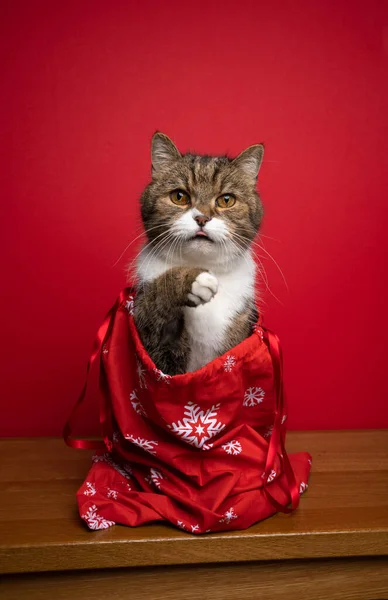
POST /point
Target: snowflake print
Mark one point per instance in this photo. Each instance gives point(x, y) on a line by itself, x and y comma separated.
point(130, 305)
point(105, 350)
point(99, 458)
point(112, 494)
point(198, 425)
point(141, 374)
point(162, 376)
point(115, 436)
point(310, 462)
point(96, 521)
point(125, 470)
point(181, 525)
point(257, 329)
point(146, 445)
point(137, 405)
point(253, 396)
point(228, 516)
point(139, 409)
point(91, 489)
point(271, 476)
point(156, 476)
point(303, 487)
point(269, 431)
point(194, 528)
point(229, 363)
point(232, 447)
point(284, 418)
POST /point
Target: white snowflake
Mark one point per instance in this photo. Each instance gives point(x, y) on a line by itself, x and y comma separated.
point(137, 405)
point(232, 447)
point(91, 489)
point(181, 525)
point(253, 396)
point(130, 305)
point(284, 418)
point(198, 425)
point(228, 516)
point(112, 494)
point(156, 476)
point(194, 528)
point(141, 374)
point(269, 431)
point(147, 445)
point(105, 350)
point(162, 376)
point(229, 363)
point(303, 487)
point(125, 470)
point(271, 476)
point(139, 409)
point(310, 461)
point(96, 521)
point(99, 458)
point(257, 329)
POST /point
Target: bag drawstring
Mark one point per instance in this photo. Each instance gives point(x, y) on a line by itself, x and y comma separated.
point(279, 430)
point(98, 344)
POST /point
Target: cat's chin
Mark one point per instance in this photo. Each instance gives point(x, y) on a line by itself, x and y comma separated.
point(201, 244)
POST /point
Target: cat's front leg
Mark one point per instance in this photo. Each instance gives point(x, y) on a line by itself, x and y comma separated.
point(158, 313)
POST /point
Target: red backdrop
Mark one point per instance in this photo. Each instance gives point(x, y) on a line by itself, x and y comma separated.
point(85, 84)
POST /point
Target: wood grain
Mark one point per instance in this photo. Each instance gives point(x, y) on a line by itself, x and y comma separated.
point(340, 579)
point(343, 514)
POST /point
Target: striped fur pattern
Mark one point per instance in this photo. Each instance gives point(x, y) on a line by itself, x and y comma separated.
point(196, 275)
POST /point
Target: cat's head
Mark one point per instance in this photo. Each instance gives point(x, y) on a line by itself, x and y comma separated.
point(201, 208)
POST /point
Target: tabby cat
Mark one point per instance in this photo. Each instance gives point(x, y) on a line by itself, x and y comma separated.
point(195, 295)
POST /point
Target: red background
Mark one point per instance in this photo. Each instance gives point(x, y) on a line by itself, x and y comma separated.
point(85, 85)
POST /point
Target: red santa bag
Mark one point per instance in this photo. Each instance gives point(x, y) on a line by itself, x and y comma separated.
point(203, 451)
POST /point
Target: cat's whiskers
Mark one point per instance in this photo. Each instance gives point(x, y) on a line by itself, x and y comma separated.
point(263, 249)
point(260, 265)
point(154, 252)
point(144, 232)
point(169, 262)
point(261, 273)
point(156, 249)
point(150, 243)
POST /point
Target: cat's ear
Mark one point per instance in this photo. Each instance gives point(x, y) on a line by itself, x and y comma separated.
point(250, 161)
point(163, 152)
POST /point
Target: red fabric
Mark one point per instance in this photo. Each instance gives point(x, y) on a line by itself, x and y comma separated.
point(203, 451)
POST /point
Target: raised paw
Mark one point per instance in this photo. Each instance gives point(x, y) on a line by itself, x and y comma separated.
point(203, 289)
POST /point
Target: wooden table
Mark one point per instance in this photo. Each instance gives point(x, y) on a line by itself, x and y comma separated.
point(334, 546)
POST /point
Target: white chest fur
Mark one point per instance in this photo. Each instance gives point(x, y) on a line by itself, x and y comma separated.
point(208, 323)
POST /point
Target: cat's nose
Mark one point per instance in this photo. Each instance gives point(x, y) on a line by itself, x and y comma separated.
point(202, 220)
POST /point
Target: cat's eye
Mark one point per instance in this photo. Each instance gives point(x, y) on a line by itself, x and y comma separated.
point(226, 201)
point(180, 198)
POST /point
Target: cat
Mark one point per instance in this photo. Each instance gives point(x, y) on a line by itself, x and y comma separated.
point(195, 296)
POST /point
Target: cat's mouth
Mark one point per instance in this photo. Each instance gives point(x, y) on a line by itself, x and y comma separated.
point(202, 235)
